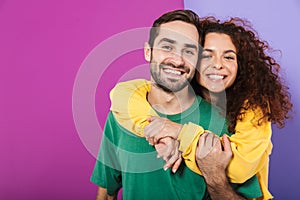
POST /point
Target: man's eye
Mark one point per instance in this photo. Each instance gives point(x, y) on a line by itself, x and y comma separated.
point(190, 52)
point(166, 47)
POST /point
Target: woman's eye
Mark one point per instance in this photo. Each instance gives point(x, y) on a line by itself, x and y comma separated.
point(229, 57)
point(206, 56)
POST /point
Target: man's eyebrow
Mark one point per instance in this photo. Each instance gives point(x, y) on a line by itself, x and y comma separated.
point(167, 40)
point(191, 46)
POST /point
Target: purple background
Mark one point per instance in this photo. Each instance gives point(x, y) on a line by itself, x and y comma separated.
point(277, 22)
point(42, 47)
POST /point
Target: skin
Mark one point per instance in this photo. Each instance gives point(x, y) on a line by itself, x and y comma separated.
point(102, 195)
point(173, 64)
point(213, 161)
point(173, 60)
point(218, 70)
point(173, 57)
point(218, 67)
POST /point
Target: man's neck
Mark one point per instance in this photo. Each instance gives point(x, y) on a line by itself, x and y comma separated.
point(168, 102)
point(216, 99)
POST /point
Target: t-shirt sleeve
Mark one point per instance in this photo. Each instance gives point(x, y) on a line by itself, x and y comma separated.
point(106, 171)
point(130, 106)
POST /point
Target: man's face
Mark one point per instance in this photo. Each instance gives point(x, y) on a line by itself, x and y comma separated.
point(174, 55)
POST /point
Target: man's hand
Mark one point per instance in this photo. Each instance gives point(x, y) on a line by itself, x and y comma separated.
point(160, 127)
point(167, 149)
point(102, 195)
point(211, 158)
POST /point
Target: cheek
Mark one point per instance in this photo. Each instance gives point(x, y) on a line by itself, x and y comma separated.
point(192, 72)
point(191, 62)
point(234, 71)
point(159, 55)
point(201, 72)
point(199, 79)
point(233, 75)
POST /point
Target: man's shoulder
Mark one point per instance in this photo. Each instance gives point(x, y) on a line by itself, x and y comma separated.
point(112, 123)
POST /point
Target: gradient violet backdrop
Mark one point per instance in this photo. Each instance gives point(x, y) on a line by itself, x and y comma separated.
point(43, 45)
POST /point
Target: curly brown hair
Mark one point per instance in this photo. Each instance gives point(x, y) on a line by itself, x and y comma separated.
point(258, 83)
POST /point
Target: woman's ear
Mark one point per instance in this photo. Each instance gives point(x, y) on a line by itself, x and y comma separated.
point(147, 52)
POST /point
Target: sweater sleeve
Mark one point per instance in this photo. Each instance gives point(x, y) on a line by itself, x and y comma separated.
point(131, 109)
point(130, 106)
point(251, 146)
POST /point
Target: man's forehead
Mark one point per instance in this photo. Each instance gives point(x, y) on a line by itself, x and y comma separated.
point(179, 31)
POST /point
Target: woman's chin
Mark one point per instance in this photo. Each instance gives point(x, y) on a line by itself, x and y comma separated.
point(216, 89)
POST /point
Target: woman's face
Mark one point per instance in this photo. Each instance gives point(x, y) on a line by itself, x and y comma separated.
point(218, 65)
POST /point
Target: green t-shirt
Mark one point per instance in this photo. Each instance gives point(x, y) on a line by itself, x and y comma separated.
point(127, 161)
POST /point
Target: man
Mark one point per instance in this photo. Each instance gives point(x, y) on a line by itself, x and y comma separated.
point(129, 162)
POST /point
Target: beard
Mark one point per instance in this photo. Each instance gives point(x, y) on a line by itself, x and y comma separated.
point(165, 83)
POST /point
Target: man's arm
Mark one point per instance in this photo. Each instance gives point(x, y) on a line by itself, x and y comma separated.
point(220, 188)
point(212, 160)
point(102, 195)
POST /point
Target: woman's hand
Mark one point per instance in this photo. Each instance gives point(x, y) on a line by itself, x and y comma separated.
point(160, 127)
point(167, 149)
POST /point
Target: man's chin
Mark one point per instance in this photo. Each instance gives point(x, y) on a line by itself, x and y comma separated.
point(171, 87)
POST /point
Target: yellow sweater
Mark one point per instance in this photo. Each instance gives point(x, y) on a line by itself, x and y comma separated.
point(251, 144)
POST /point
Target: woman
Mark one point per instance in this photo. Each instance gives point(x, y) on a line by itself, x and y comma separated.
point(238, 76)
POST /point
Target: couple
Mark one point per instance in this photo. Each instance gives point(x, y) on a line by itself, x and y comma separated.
point(238, 93)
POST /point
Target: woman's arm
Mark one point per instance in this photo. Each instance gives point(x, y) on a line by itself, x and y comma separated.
point(131, 109)
point(251, 144)
point(130, 106)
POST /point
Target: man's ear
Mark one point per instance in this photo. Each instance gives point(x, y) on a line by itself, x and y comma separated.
point(147, 52)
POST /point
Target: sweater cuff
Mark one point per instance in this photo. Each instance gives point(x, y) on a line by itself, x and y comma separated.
point(187, 134)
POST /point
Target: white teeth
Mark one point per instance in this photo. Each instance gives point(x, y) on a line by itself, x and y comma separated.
point(172, 71)
point(216, 77)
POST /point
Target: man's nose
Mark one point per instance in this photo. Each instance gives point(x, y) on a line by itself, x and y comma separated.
point(177, 59)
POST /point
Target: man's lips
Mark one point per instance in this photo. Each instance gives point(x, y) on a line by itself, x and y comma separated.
point(172, 71)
